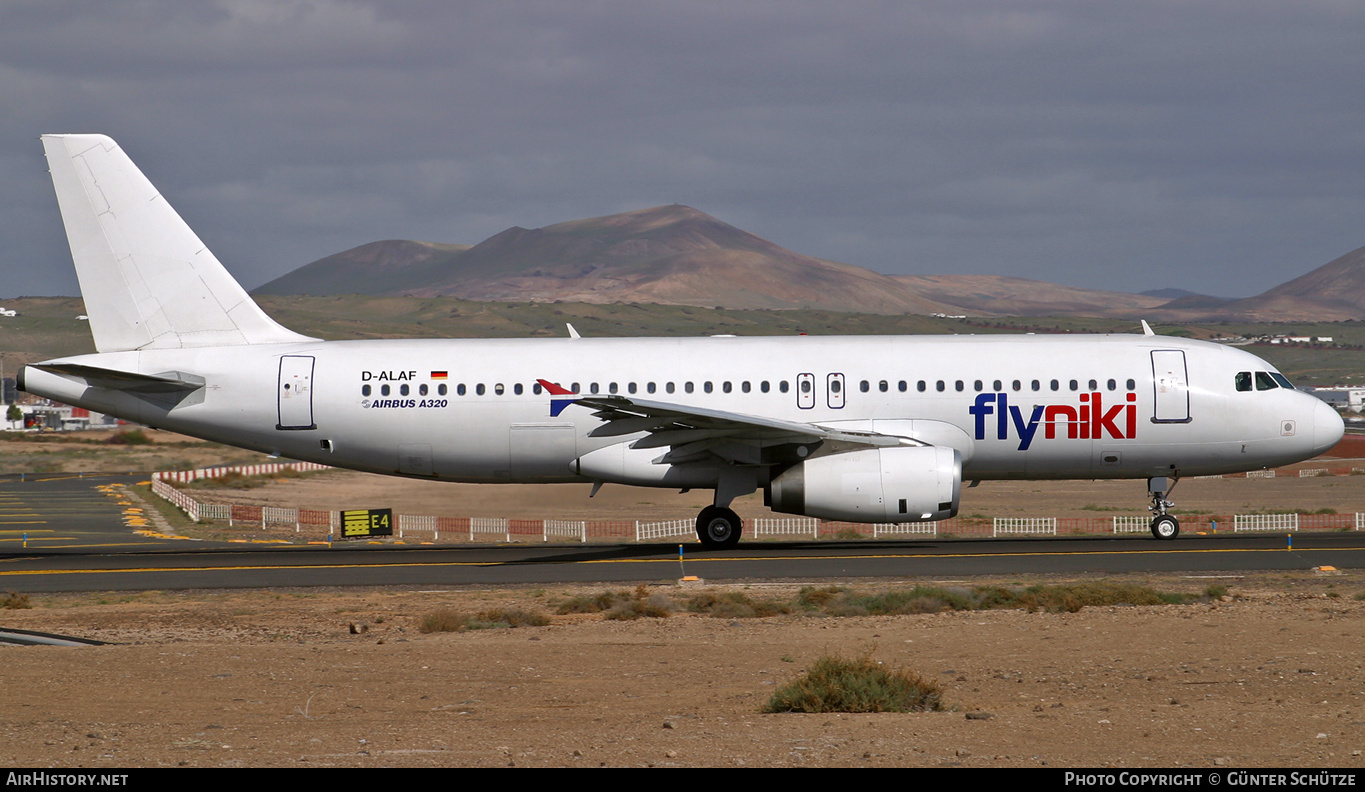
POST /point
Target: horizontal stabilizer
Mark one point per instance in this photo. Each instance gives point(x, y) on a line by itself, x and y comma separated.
point(113, 379)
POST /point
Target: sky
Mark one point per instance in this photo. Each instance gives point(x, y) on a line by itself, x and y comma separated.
point(1212, 145)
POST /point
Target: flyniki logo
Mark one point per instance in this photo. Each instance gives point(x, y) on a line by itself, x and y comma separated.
point(1086, 421)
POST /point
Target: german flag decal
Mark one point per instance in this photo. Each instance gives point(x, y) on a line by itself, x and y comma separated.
point(438, 375)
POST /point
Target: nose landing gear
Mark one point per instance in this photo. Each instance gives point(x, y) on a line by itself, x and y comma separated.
point(1164, 526)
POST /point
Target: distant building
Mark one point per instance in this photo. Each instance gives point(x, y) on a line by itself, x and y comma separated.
point(1342, 397)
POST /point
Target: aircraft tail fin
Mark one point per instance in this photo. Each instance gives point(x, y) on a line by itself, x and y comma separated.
point(147, 279)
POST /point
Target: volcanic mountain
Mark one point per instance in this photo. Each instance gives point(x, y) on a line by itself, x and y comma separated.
point(667, 254)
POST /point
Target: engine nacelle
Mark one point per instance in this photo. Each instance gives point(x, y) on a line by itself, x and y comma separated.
point(876, 485)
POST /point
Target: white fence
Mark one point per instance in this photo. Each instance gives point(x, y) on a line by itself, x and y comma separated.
point(901, 529)
point(417, 524)
point(574, 529)
point(663, 530)
point(1132, 524)
point(489, 525)
point(1265, 522)
point(1025, 525)
point(785, 526)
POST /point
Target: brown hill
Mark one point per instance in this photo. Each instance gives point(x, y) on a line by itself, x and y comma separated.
point(372, 268)
point(1008, 296)
point(667, 254)
point(1333, 292)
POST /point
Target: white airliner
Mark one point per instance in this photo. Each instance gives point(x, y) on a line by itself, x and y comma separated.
point(865, 429)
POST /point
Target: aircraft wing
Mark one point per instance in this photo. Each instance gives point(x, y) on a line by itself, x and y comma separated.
point(693, 432)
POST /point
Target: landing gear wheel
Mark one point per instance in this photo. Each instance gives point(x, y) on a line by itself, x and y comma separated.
point(1165, 526)
point(718, 528)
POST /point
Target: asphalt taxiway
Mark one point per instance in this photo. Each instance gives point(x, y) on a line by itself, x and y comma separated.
point(67, 533)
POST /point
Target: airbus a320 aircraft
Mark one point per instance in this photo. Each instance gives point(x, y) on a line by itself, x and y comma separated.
point(864, 429)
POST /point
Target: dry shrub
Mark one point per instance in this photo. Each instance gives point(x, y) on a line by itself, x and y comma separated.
point(838, 684)
point(15, 601)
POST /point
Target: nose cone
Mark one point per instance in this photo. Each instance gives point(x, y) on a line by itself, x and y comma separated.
point(1328, 428)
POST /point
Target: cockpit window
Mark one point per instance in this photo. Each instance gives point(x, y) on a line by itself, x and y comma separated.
point(1265, 382)
point(1243, 380)
point(1282, 379)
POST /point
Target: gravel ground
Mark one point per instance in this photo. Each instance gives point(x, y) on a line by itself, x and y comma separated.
point(1271, 676)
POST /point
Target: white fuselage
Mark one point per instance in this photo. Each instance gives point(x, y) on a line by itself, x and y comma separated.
point(1030, 407)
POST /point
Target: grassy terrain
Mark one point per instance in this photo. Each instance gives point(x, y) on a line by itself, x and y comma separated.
point(47, 326)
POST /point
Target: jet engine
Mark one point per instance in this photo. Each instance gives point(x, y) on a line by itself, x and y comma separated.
point(875, 485)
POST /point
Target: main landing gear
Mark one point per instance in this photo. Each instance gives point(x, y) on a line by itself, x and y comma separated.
point(1164, 526)
point(718, 528)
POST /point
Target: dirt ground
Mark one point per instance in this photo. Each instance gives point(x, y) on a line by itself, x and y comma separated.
point(1271, 677)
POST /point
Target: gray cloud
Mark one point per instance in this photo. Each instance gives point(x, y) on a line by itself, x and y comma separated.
point(1214, 145)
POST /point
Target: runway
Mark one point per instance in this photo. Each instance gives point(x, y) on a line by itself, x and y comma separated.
point(84, 534)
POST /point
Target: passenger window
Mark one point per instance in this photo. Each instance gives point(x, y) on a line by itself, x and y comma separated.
point(835, 386)
point(422, 389)
point(904, 386)
point(517, 389)
point(611, 387)
point(763, 386)
point(977, 386)
point(687, 386)
point(365, 390)
point(574, 388)
point(441, 389)
point(1132, 384)
point(650, 387)
point(479, 389)
point(630, 388)
point(725, 386)
point(1015, 385)
point(498, 389)
point(939, 386)
point(460, 389)
point(997, 386)
point(403, 389)
point(383, 390)
point(1055, 385)
point(1037, 385)
point(1113, 385)
point(591, 388)
point(883, 386)
point(536, 389)
point(920, 386)
point(1074, 385)
point(805, 386)
point(864, 386)
point(783, 386)
point(744, 386)
point(669, 387)
point(1094, 385)
point(1265, 382)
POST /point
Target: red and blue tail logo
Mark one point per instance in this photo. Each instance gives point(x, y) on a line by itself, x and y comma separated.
point(557, 405)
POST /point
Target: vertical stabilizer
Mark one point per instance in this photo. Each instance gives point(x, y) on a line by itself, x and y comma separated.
point(147, 279)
